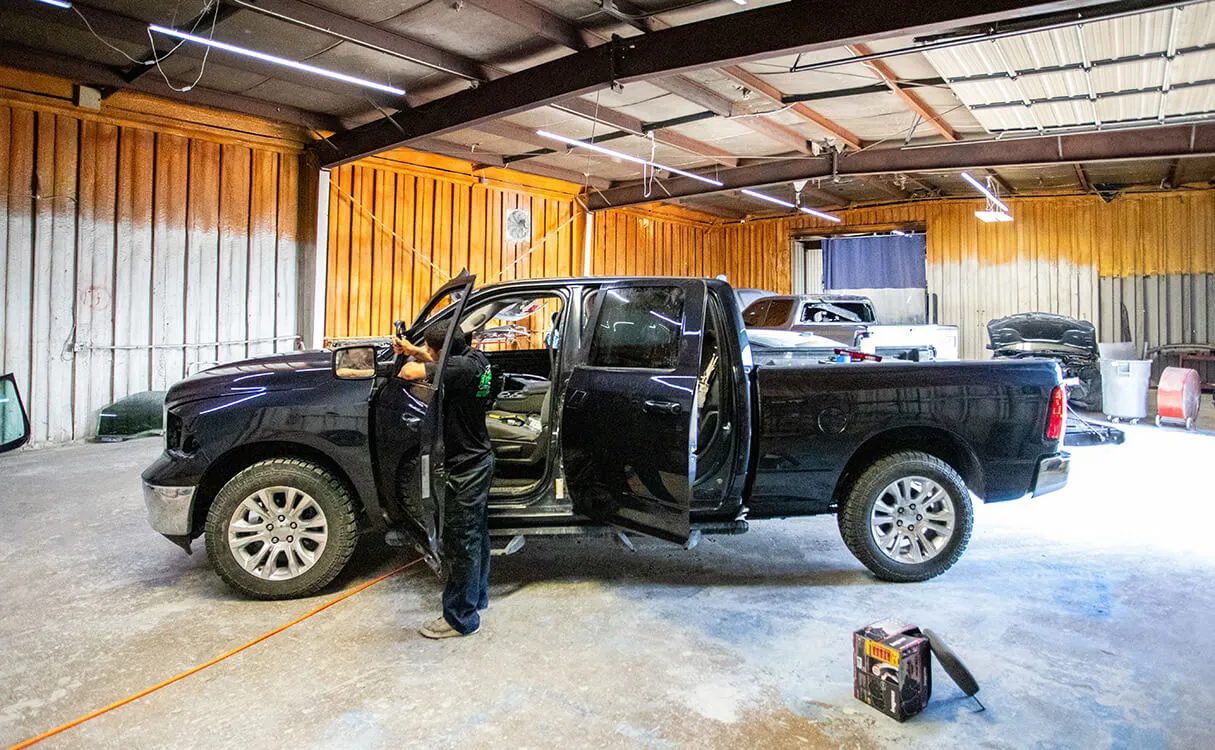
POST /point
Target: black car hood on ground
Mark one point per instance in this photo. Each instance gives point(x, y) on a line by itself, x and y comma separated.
point(1042, 332)
point(276, 372)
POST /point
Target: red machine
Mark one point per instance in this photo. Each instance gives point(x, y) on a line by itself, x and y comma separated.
point(1177, 396)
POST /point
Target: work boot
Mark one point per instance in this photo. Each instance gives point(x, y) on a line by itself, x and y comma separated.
point(439, 629)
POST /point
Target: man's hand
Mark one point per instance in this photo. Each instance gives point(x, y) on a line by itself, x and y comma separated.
point(403, 346)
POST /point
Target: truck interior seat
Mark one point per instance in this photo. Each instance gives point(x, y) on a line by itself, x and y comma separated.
point(518, 425)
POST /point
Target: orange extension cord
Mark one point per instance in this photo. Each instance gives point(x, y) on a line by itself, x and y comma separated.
point(216, 660)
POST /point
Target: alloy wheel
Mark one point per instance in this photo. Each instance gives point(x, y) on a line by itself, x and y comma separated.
point(278, 533)
point(912, 520)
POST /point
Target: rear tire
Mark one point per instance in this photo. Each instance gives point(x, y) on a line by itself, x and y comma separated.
point(283, 528)
point(907, 488)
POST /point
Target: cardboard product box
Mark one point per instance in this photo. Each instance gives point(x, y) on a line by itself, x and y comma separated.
point(892, 668)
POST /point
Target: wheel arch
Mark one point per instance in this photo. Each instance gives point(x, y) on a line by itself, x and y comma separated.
point(236, 460)
point(934, 441)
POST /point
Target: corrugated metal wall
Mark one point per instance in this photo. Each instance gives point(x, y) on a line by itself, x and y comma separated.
point(1060, 255)
point(131, 253)
point(398, 230)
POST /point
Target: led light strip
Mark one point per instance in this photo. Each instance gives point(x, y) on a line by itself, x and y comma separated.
point(983, 189)
point(626, 157)
point(56, 3)
point(276, 60)
point(787, 204)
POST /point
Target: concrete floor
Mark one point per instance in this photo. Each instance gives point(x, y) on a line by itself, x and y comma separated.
point(1082, 614)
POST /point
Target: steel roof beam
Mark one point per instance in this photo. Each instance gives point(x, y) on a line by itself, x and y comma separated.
point(634, 126)
point(777, 97)
point(541, 22)
point(200, 22)
point(132, 30)
point(373, 37)
point(1081, 177)
point(910, 98)
point(1176, 141)
point(877, 88)
point(771, 31)
point(567, 34)
point(92, 74)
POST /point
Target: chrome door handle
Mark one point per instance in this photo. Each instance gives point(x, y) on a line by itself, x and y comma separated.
point(672, 408)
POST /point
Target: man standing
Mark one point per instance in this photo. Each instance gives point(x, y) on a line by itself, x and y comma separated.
point(469, 464)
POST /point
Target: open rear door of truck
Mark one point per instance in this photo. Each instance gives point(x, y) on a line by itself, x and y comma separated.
point(628, 416)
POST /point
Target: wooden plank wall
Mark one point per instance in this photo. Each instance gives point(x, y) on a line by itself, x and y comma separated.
point(401, 227)
point(1053, 257)
point(633, 242)
point(133, 253)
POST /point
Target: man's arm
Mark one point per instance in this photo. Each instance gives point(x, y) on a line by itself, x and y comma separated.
point(413, 371)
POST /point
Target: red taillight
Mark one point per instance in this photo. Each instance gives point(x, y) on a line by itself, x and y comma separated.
point(1058, 414)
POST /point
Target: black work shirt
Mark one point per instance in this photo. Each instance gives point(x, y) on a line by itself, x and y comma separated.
point(467, 394)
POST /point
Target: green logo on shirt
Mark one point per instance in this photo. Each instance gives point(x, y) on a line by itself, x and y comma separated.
point(483, 387)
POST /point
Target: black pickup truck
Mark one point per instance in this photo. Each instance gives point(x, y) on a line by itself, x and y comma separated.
point(625, 405)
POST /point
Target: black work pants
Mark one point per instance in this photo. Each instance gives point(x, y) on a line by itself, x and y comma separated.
point(466, 543)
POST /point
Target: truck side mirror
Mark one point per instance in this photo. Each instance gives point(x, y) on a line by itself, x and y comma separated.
point(354, 362)
point(14, 422)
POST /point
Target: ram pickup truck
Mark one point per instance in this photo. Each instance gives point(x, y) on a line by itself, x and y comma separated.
point(631, 405)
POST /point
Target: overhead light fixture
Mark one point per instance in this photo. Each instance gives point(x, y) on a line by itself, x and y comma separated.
point(820, 214)
point(996, 210)
point(627, 157)
point(275, 59)
point(740, 2)
point(62, 4)
point(983, 189)
point(787, 204)
point(990, 216)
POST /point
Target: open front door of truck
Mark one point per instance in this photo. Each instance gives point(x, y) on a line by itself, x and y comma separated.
point(407, 419)
point(627, 420)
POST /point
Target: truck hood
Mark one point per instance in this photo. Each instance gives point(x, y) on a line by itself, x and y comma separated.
point(277, 372)
point(1042, 332)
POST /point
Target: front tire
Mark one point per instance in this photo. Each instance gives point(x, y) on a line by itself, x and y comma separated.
point(907, 517)
point(281, 529)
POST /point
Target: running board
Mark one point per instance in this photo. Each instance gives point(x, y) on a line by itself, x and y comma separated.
point(698, 529)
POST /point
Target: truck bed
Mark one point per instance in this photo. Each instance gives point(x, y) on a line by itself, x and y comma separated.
point(989, 417)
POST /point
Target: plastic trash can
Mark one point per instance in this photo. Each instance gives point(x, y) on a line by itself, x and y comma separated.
point(1124, 388)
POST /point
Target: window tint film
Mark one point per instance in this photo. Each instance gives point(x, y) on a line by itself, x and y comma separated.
point(754, 315)
point(639, 327)
point(776, 313)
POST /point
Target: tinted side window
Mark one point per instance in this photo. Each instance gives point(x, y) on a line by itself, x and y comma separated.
point(777, 313)
point(639, 327)
point(755, 314)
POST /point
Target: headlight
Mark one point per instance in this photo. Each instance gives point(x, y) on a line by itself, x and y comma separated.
point(172, 431)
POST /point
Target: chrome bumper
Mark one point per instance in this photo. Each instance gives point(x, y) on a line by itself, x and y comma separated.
point(169, 508)
point(1052, 473)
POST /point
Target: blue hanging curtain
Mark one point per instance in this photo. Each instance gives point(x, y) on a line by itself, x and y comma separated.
point(888, 262)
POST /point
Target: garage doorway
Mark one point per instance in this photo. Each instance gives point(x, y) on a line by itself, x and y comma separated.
point(888, 268)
